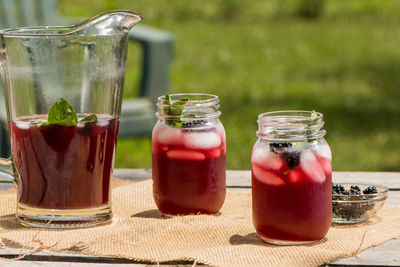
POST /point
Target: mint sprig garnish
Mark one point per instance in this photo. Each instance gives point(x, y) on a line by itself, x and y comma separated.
point(313, 118)
point(91, 118)
point(174, 109)
point(314, 115)
point(63, 114)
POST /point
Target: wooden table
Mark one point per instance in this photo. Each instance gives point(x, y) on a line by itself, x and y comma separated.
point(387, 254)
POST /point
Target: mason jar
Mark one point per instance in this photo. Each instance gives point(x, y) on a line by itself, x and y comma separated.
point(291, 166)
point(188, 155)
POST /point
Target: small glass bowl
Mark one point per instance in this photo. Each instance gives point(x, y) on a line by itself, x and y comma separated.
point(350, 209)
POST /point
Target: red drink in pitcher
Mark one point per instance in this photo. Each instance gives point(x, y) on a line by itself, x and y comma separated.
point(291, 188)
point(63, 167)
point(189, 156)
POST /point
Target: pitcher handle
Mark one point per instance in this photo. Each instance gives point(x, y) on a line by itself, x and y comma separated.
point(7, 169)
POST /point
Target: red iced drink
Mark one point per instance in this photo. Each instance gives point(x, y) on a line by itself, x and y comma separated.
point(291, 190)
point(189, 169)
point(63, 167)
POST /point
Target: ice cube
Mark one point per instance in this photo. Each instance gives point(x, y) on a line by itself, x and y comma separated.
point(265, 176)
point(221, 131)
point(326, 164)
point(201, 140)
point(22, 125)
point(182, 154)
point(264, 157)
point(215, 153)
point(311, 166)
point(295, 176)
point(103, 123)
point(169, 135)
point(324, 150)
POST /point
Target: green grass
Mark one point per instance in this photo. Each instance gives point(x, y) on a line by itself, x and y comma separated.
point(260, 57)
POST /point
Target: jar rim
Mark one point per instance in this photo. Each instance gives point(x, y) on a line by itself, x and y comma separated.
point(199, 106)
point(300, 115)
point(295, 125)
point(192, 97)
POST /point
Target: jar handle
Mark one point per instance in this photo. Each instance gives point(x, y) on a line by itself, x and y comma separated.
point(7, 169)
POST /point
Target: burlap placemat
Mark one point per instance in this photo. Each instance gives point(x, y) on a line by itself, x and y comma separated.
point(139, 232)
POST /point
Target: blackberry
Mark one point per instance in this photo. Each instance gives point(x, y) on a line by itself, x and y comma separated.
point(280, 145)
point(193, 123)
point(370, 190)
point(338, 189)
point(355, 190)
point(292, 159)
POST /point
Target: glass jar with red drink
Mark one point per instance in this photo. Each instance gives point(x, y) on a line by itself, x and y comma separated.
point(291, 167)
point(188, 155)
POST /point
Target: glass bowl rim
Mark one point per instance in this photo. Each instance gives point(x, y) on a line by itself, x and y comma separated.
point(384, 189)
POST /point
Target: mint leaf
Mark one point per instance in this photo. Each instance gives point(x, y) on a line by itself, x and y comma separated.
point(166, 101)
point(177, 107)
point(174, 109)
point(61, 113)
point(313, 118)
point(314, 115)
point(91, 118)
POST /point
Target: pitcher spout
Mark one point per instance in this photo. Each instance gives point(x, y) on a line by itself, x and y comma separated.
point(108, 23)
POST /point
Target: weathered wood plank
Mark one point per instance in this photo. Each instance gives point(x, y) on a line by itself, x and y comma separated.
point(390, 179)
point(50, 258)
point(242, 178)
point(130, 174)
point(238, 178)
point(387, 254)
point(25, 263)
point(81, 264)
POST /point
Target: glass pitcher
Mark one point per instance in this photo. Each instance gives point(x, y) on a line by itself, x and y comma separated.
point(63, 93)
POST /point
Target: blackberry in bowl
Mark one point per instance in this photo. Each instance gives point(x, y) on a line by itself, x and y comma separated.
point(355, 203)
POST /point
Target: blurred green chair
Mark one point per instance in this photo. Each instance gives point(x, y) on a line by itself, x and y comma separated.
point(138, 114)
